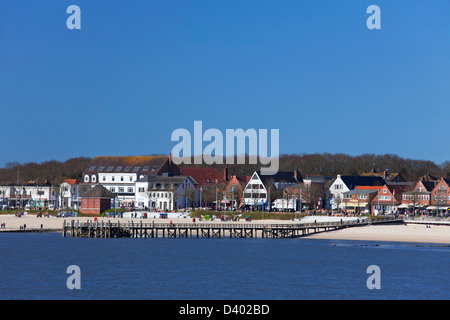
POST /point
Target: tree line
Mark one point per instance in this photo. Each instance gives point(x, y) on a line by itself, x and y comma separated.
point(318, 164)
point(53, 171)
point(330, 165)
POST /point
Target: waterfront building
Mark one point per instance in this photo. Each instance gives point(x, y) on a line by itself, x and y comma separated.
point(166, 193)
point(119, 174)
point(263, 189)
point(344, 184)
point(96, 200)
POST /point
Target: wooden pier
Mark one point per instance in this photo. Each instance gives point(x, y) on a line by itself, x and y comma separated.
point(140, 229)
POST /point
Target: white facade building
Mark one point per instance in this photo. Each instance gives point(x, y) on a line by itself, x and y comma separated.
point(69, 193)
point(165, 193)
point(344, 184)
point(256, 192)
point(119, 174)
point(28, 196)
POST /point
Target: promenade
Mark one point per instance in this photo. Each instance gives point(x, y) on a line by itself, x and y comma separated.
point(413, 231)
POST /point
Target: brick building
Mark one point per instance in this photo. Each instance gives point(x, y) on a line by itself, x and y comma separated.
point(440, 196)
point(96, 200)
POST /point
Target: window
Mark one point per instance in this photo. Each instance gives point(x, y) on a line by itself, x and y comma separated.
point(146, 168)
point(141, 189)
point(94, 178)
point(121, 178)
point(112, 178)
point(384, 191)
point(112, 189)
point(127, 168)
point(110, 169)
point(104, 178)
point(154, 168)
point(86, 178)
point(131, 179)
point(420, 189)
point(119, 168)
point(101, 168)
point(92, 168)
point(136, 169)
point(130, 189)
point(121, 189)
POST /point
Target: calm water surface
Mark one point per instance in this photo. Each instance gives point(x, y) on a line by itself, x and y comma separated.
point(33, 266)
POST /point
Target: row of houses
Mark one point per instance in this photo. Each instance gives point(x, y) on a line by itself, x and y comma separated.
point(377, 194)
point(156, 183)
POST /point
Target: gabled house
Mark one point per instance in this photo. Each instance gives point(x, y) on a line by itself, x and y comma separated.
point(234, 190)
point(344, 184)
point(69, 194)
point(257, 192)
point(387, 200)
point(417, 198)
point(359, 199)
point(440, 196)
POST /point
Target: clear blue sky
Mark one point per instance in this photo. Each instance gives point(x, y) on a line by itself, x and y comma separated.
point(137, 70)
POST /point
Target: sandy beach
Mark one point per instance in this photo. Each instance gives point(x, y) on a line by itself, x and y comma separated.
point(401, 233)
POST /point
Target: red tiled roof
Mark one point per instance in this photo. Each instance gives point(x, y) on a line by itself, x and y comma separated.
point(203, 175)
point(368, 187)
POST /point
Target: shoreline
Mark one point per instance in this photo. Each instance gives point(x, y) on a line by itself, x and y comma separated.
point(409, 232)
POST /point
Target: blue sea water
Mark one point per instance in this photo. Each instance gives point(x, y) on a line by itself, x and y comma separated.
point(34, 266)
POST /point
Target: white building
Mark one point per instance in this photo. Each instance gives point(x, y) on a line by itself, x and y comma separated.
point(31, 195)
point(69, 193)
point(165, 192)
point(344, 184)
point(256, 192)
point(119, 174)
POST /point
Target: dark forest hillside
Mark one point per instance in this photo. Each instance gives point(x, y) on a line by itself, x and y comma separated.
point(53, 171)
point(323, 164)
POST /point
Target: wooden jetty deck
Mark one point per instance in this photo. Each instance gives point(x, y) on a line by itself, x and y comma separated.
point(132, 229)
